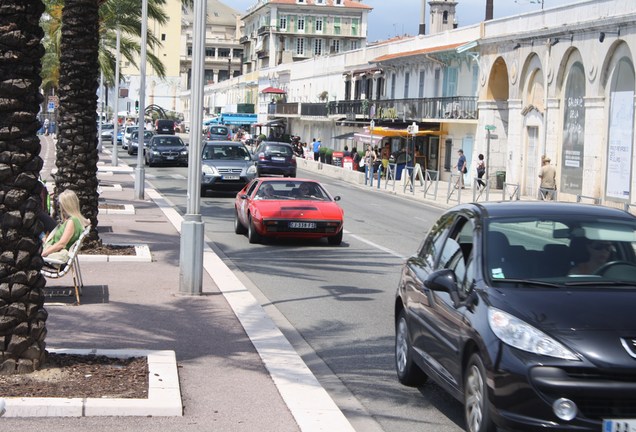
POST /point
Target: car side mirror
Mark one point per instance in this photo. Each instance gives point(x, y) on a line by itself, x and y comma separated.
point(243, 197)
point(336, 198)
point(444, 280)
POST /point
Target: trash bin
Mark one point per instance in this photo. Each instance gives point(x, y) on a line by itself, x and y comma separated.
point(501, 178)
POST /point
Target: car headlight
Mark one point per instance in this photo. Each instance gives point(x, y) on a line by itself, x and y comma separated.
point(184, 152)
point(251, 169)
point(155, 153)
point(518, 334)
point(209, 170)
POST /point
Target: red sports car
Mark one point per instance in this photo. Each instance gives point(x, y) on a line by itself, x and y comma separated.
point(289, 208)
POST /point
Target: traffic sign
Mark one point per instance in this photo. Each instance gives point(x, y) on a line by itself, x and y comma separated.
point(51, 107)
point(492, 136)
point(490, 127)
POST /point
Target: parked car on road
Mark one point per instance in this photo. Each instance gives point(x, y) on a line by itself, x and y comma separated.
point(292, 208)
point(524, 311)
point(134, 141)
point(226, 166)
point(166, 149)
point(275, 158)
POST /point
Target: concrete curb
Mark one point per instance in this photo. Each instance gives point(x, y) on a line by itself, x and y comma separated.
point(164, 393)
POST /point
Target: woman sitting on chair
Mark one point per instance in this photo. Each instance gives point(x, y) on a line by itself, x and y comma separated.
point(67, 232)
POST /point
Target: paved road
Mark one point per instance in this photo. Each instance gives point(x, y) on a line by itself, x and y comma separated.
point(335, 303)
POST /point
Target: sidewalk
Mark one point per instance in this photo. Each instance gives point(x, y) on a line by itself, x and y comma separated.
point(237, 372)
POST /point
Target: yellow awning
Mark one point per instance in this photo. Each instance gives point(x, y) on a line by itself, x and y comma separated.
point(388, 132)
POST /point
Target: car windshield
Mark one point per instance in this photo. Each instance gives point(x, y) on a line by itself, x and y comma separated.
point(225, 152)
point(291, 190)
point(569, 250)
point(168, 142)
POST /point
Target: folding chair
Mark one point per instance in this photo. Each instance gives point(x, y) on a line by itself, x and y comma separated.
point(72, 266)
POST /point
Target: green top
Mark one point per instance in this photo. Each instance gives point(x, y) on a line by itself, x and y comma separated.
point(59, 230)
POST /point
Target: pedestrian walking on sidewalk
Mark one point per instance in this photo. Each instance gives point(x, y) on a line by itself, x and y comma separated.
point(461, 168)
point(481, 170)
point(547, 188)
point(316, 149)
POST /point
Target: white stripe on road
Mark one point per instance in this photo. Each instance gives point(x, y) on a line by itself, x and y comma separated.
point(375, 245)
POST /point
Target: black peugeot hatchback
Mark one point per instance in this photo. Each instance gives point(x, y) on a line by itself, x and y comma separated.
point(524, 311)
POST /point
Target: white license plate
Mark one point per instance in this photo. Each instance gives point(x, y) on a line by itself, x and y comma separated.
point(231, 177)
point(278, 159)
point(169, 157)
point(307, 225)
point(619, 425)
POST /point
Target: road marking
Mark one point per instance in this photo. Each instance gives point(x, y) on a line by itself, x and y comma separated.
point(375, 245)
point(178, 176)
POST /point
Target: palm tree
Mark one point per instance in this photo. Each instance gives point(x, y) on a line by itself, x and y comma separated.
point(76, 156)
point(84, 24)
point(22, 316)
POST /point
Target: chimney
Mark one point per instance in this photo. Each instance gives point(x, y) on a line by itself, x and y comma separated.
point(489, 9)
point(422, 30)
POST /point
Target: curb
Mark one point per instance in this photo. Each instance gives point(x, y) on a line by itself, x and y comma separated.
point(164, 393)
point(142, 254)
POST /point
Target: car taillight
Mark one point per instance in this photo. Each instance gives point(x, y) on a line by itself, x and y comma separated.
point(293, 160)
point(261, 156)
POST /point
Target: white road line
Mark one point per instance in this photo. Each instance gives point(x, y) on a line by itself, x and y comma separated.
point(178, 176)
point(375, 245)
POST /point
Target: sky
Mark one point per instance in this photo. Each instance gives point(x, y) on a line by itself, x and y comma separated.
point(391, 18)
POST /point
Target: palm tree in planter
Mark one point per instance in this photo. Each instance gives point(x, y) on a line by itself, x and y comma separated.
point(22, 315)
point(77, 156)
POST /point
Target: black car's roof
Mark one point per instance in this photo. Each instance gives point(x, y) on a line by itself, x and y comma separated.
point(225, 143)
point(542, 208)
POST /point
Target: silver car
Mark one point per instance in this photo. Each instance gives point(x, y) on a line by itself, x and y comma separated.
point(125, 140)
point(226, 166)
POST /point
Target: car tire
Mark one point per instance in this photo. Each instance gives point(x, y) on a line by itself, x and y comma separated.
point(238, 226)
point(252, 235)
point(408, 372)
point(476, 405)
point(335, 240)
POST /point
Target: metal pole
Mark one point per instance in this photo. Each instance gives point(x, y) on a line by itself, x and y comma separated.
point(101, 110)
point(141, 118)
point(114, 161)
point(192, 227)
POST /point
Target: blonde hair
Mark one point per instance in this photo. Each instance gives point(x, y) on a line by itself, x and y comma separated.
point(70, 206)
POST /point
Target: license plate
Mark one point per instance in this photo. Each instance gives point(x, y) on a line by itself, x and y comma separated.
point(169, 157)
point(619, 425)
point(306, 225)
point(231, 177)
point(278, 159)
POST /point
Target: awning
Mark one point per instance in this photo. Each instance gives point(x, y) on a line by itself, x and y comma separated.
point(238, 119)
point(367, 138)
point(346, 136)
point(273, 90)
point(388, 132)
point(277, 122)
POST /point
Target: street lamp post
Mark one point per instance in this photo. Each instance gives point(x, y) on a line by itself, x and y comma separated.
point(192, 227)
point(141, 118)
point(114, 161)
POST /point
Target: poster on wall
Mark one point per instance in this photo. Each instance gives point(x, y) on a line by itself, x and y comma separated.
point(573, 132)
point(619, 149)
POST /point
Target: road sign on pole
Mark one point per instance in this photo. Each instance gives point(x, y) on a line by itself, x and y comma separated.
point(51, 107)
point(490, 127)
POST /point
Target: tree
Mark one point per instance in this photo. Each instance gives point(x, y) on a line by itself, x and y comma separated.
point(76, 156)
point(22, 313)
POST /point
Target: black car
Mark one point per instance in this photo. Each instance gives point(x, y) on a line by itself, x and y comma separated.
point(275, 158)
point(164, 126)
point(524, 311)
point(166, 149)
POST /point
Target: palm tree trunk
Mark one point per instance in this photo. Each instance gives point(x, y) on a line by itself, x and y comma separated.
point(77, 137)
point(22, 315)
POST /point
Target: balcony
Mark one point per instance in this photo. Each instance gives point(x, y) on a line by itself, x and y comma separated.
point(263, 30)
point(313, 109)
point(455, 107)
point(286, 109)
point(244, 39)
